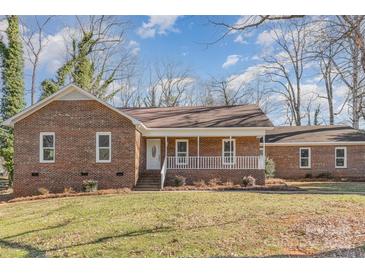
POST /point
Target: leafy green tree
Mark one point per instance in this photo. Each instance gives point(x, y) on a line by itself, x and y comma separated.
point(12, 64)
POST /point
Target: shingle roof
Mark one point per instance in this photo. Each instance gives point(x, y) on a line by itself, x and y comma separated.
point(301, 134)
point(200, 117)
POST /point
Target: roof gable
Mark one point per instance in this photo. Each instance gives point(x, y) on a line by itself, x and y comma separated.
point(70, 92)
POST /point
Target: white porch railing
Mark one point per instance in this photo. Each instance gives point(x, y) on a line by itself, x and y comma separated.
point(163, 173)
point(215, 162)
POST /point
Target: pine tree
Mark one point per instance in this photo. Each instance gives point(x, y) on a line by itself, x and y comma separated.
point(13, 87)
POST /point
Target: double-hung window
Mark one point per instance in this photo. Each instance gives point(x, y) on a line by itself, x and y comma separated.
point(228, 151)
point(182, 152)
point(47, 147)
point(305, 157)
point(103, 147)
point(341, 157)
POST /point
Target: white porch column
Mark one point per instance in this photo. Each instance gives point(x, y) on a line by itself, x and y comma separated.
point(230, 149)
point(198, 151)
point(166, 148)
point(263, 151)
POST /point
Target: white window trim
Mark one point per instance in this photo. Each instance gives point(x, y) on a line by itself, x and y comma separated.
point(309, 157)
point(97, 147)
point(345, 157)
point(187, 151)
point(234, 151)
point(41, 148)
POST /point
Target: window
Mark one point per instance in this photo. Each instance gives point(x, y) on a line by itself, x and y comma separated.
point(103, 147)
point(341, 157)
point(229, 151)
point(47, 147)
point(304, 157)
point(182, 152)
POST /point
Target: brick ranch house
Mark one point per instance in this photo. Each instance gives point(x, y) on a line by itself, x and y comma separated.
point(72, 136)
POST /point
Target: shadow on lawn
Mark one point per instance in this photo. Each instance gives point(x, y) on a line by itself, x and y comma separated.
point(31, 250)
point(37, 252)
point(358, 252)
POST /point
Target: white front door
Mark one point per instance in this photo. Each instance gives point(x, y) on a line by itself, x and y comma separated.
point(153, 154)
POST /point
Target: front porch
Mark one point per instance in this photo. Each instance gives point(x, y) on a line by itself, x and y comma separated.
point(227, 158)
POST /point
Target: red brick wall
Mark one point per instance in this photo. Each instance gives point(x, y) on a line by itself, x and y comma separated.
point(75, 124)
point(212, 146)
point(322, 161)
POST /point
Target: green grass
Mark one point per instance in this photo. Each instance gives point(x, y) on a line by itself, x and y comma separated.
point(183, 224)
point(345, 187)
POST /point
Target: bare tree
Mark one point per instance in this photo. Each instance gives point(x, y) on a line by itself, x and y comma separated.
point(228, 90)
point(35, 43)
point(350, 25)
point(325, 52)
point(285, 68)
point(169, 85)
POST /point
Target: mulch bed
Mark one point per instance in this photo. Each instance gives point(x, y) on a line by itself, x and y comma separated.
point(224, 187)
point(11, 199)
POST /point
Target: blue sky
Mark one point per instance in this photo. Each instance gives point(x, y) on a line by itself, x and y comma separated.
point(181, 39)
point(184, 40)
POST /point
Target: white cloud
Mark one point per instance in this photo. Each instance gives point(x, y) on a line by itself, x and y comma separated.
point(134, 47)
point(231, 60)
point(247, 76)
point(266, 38)
point(54, 53)
point(3, 27)
point(240, 39)
point(157, 25)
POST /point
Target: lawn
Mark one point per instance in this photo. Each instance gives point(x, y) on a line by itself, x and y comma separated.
point(185, 224)
point(344, 187)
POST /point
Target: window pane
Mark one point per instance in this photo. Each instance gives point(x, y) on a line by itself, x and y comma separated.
point(228, 146)
point(182, 147)
point(304, 153)
point(304, 162)
point(48, 154)
point(48, 140)
point(103, 140)
point(104, 154)
point(340, 162)
point(340, 153)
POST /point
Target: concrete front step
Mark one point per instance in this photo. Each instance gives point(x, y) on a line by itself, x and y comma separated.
point(148, 181)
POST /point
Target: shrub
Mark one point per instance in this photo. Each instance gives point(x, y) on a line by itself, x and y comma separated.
point(90, 185)
point(43, 191)
point(269, 168)
point(179, 180)
point(248, 181)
